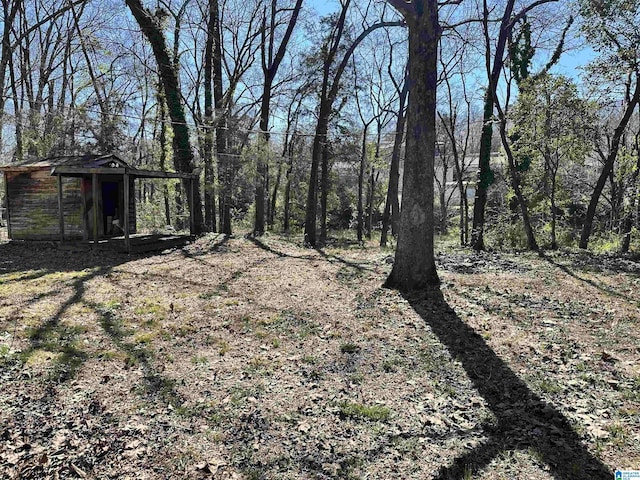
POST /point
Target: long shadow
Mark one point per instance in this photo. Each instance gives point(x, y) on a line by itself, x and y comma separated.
point(326, 256)
point(524, 420)
point(267, 248)
point(594, 284)
point(155, 383)
point(53, 335)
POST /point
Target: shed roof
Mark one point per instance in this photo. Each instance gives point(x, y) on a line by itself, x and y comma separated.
point(80, 161)
point(79, 165)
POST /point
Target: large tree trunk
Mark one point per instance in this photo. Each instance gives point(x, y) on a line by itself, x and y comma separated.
point(608, 166)
point(163, 153)
point(183, 156)
point(414, 266)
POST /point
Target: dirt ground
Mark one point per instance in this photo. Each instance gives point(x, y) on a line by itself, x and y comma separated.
point(259, 359)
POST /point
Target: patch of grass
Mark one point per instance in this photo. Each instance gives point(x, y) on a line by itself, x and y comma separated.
point(143, 338)
point(348, 274)
point(549, 386)
point(449, 390)
point(468, 473)
point(349, 348)
point(7, 355)
point(223, 347)
point(275, 342)
point(200, 360)
point(208, 295)
point(261, 334)
point(309, 359)
point(259, 365)
point(617, 434)
point(152, 310)
point(391, 365)
point(536, 455)
point(364, 412)
point(291, 325)
point(68, 362)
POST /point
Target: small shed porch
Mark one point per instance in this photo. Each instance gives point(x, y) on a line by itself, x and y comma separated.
point(84, 200)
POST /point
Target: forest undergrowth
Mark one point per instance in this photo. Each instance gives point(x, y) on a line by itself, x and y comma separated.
point(242, 358)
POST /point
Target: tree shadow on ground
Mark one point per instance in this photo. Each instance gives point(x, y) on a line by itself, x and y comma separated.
point(598, 285)
point(62, 340)
point(524, 420)
point(331, 258)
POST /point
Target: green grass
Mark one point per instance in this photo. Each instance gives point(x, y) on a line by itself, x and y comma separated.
point(349, 348)
point(376, 413)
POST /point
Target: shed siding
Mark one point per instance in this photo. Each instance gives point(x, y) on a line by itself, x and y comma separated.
point(33, 200)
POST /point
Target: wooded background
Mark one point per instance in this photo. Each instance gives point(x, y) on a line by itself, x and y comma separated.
point(297, 111)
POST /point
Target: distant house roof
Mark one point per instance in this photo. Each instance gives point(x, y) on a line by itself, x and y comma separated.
point(79, 161)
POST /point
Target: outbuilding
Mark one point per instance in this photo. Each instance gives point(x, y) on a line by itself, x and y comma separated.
point(80, 197)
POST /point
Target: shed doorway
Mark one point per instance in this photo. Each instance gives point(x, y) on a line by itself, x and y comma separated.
point(111, 208)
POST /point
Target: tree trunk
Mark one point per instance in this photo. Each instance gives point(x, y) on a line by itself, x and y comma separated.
point(163, 154)
point(414, 267)
point(287, 189)
point(224, 200)
point(443, 198)
point(370, 192)
point(485, 175)
point(209, 172)
point(319, 140)
point(608, 166)
point(324, 192)
point(183, 156)
point(392, 208)
point(261, 168)
point(274, 196)
point(514, 176)
point(554, 242)
point(363, 163)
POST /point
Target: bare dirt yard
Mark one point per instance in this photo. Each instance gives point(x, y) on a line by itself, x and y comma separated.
point(259, 359)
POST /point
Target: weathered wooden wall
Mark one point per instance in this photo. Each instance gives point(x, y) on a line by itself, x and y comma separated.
point(32, 198)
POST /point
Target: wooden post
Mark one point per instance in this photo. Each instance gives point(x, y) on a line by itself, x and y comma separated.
point(125, 227)
point(94, 186)
point(8, 205)
point(60, 208)
point(192, 226)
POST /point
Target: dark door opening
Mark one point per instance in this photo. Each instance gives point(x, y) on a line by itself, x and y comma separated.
point(110, 208)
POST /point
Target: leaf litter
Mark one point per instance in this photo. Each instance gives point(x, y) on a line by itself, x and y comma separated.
point(257, 358)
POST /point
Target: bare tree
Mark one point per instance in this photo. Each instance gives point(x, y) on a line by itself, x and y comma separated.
point(332, 71)
point(270, 64)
